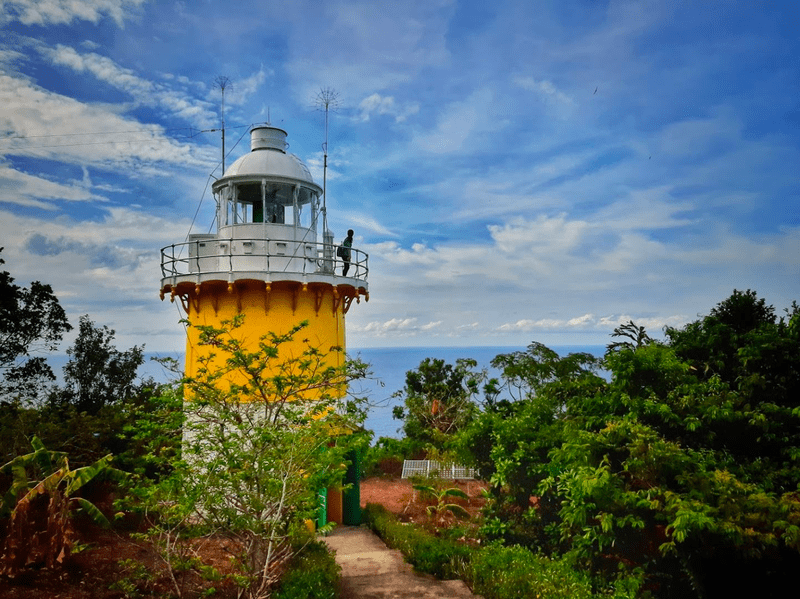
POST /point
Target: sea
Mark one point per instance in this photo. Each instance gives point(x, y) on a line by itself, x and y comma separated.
point(388, 366)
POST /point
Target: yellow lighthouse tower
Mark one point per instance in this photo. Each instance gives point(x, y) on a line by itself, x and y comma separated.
point(266, 260)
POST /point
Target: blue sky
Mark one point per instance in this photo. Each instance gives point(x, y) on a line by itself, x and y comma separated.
point(517, 171)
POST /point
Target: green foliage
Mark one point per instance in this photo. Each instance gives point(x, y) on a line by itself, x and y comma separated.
point(494, 572)
point(514, 572)
point(31, 320)
point(438, 400)
point(312, 574)
point(684, 463)
point(84, 437)
point(526, 374)
point(510, 440)
point(97, 374)
point(134, 580)
point(45, 474)
point(443, 506)
point(153, 430)
point(429, 554)
point(386, 456)
point(84, 418)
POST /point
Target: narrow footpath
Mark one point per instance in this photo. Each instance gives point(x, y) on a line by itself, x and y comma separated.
point(370, 570)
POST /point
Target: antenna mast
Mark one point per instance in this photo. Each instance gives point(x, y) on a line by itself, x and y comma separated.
point(327, 100)
point(222, 82)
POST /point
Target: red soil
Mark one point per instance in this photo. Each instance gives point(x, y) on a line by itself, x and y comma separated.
point(89, 573)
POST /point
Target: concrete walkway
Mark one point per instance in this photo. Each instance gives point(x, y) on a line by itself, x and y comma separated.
point(370, 570)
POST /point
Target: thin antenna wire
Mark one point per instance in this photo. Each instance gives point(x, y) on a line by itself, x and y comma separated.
point(222, 82)
point(327, 100)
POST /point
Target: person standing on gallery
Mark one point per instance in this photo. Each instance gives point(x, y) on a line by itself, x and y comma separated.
point(346, 245)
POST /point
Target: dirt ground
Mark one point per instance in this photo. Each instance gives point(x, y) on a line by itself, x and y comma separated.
point(91, 572)
point(398, 496)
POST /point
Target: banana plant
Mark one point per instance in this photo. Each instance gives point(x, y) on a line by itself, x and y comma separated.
point(443, 506)
point(26, 543)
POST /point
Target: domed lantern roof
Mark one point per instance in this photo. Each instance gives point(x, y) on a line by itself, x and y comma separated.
point(269, 161)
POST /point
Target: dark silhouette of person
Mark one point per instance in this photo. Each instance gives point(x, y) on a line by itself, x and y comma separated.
point(346, 245)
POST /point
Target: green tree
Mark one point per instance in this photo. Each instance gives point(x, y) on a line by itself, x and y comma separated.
point(525, 373)
point(689, 459)
point(438, 399)
point(97, 374)
point(522, 421)
point(84, 417)
point(684, 464)
point(31, 321)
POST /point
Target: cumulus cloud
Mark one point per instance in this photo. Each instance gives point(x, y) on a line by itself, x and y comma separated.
point(89, 262)
point(404, 327)
point(549, 234)
point(591, 322)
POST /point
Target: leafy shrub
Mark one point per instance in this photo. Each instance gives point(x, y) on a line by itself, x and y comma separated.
point(312, 574)
point(40, 531)
point(443, 507)
point(495, 572)
point(385, 458)
point(429, 554)
point(514, 572)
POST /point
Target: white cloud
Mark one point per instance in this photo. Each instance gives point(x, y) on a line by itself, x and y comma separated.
point(646, 209)
point(88, 262)
point(545, 89)
point(580, 321)
point(589, 322)
point(545, 235)
point(10, 58)
point(360, 47)
point(21, 188)
point(143, 91)
point(377, 104)
point(364, 221)
point(395, 324)
point(459, 121)
point(240, 91)
point(58, 12)
point(44, 124)
point(527, 325)
point(695, 137)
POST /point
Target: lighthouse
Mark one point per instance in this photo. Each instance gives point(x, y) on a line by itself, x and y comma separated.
point(271, 259)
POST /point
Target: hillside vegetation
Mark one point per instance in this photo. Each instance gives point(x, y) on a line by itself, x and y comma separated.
point(674, 462)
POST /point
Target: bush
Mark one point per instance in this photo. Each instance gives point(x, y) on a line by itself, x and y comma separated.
point(385, 458)
point(510, 572)
point(495, 572)
point(312, 574)
point(429, 554)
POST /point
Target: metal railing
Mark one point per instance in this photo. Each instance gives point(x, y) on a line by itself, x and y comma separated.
point(433, 469)
point(207, 255)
